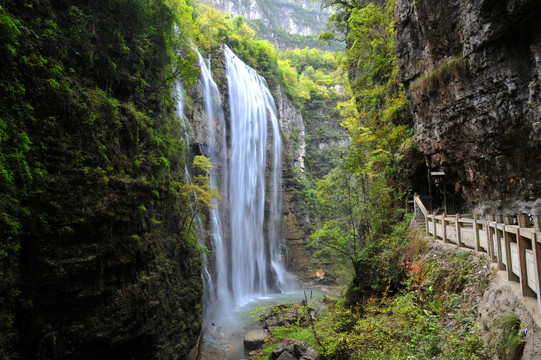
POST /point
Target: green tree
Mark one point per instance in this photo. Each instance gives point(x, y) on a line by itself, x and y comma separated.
point(359, 202)
point(344, 213)
point(198, 190)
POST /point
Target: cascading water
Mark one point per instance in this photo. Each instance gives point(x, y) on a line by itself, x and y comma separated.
point(255, 266)
point(199, 226)
point(245, 264)
point(215, 149)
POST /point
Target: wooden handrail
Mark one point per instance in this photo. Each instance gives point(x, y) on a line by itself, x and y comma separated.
point(516, 249)
point(420, 204)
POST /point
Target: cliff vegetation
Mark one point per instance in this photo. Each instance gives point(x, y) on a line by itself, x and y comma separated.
point(96, 258)
point(98, 255)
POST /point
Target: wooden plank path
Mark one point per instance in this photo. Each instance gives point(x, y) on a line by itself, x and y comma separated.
point(515, 248)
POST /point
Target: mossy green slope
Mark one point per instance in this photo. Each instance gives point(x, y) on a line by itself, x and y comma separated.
point(94, 259)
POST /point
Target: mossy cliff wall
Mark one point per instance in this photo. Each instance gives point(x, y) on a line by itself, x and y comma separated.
point(472, 72)
point(94, 259)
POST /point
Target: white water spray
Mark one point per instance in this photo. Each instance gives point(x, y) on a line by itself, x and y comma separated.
point(255, 265)
point(216, 150)
point(248, 261)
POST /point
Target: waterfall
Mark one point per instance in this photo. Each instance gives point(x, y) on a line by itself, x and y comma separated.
point(208, 284)
point(216, 150)
point(246, 158)
point(255, 264)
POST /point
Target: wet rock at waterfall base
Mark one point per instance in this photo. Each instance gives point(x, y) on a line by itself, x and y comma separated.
point(294, 349)
point(286, 356)
point(283, 315)
point(214, 344)
point(255, 339)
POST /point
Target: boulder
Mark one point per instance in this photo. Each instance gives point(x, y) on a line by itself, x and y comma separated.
point(286, 356)
point(255, 339)
point(294, 349)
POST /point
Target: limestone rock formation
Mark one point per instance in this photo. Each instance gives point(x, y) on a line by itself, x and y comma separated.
point(502, 298)
point(472, 71)
point(286, 23)
point(296, 220)
point(295, 16)
point(255, 339)
point(294, 349)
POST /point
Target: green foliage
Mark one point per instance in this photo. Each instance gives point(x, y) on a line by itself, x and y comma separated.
point(507, 336)
point(344, 213)
point(373, 172)
point(428, 319)
point(181, 43)
point(9, 35)
point(371, 37)
point(310, 73)
point(441, 76)
point(87, 138)
point(213, 28)
point(198, 190)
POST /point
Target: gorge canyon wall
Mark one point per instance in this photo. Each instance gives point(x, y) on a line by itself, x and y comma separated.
point(96, 261)
point(472, 71)
point(285, 23)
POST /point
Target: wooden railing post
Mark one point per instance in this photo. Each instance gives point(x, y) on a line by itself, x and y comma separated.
point(537, 259)
point(511, 276)
point(523, 221)
point(475, 234)
point(537, 223)
point(458, 234)
point(435, 227)
point(443, 228)
point(501, 265)
point(522, 244)
point(492, 251)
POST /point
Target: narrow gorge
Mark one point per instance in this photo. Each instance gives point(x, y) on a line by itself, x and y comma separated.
point(284, 179)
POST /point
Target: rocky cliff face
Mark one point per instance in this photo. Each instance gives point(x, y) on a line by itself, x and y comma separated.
point(504, 297)
point(295, 213)
point(286, 23)
point(294, 16)
point(313, 140)
point(96, 261)
point(472, 71)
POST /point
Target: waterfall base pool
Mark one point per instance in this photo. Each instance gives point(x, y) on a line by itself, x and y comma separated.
point(223, 337)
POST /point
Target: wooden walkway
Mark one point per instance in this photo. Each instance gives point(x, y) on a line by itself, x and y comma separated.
point(515, 248)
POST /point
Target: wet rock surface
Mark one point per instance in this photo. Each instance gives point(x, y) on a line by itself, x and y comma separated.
point(296, 225)
point(255, 339)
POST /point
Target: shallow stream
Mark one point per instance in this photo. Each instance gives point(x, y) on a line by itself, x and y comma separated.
point(224, 336)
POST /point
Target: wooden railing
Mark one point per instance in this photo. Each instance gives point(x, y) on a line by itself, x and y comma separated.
point(515, 248)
